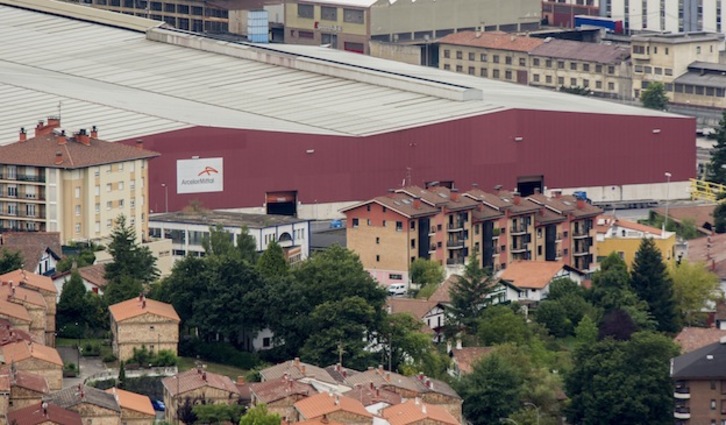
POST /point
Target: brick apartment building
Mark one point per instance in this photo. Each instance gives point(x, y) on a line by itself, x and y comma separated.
point(438, 223)
point(699, 379)
point(75, 184)
point(140, 322)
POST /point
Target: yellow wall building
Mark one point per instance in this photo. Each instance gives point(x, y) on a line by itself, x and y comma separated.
point(624, 237)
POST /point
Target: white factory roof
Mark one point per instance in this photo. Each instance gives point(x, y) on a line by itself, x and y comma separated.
point(131, 83)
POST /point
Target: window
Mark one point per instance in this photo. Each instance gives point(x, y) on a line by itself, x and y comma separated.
point(611, 86)
point(121, 166)
point(384, 223)
point(611, 69)
point(77, 210)
point(78, 192)
point(573, 82)
point(355, 222)
point(353, 16)
point(598, 84)
point(97, 190)
point(495, 73)
point(132, 204)
point(328, 13)
point(97, 226)
point(638, 69)
point(698, 50)
point(132, 185)
point(459, 68)
point(573, 66)
point(713, 402)
point(495, 58)
point(669, 72)
point(548, 63)
point(483, 73)
point(586, 83)
point(78, 228)
point(561, 81)
point(120, 185)
point(535, 77)
point(266, 342)
point(522, 62)
point(413, 243)
point(598, 68)
point(305, 34)
point(459, 54)
point(548, 79)
point(378, 258)
point(399, 226)
point(508, 60)
point(658, 70)
point(120, 203)
point(535, 61)
point(472, 55)
point(483, 57)
point(108, 187)
point(108, 169)
point(378, 240)
point(98, 208)
point(413, 225)
point(447, 67)
point(586, 67)
point(561, 64)
point(109, 205)
point(472, 70)
point(507, 75)
point(305, 11)
point(395, 276)
point(447, 53)
point(666, 50)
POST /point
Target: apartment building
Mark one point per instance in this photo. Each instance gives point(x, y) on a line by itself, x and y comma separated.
point(624, 238)
point(699, 383)
point(74, 184)
point(495, 55)
point(571, 240)
point(603, 70)
point(664, 57)
point(674, 16)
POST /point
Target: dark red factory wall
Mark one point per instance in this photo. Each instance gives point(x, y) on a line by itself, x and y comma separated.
point(569, 149)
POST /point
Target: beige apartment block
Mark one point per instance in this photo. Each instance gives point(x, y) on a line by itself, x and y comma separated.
point(37, 359)
point(664, 57)
point(140, 322)
point(197, 384)
point(72, 183)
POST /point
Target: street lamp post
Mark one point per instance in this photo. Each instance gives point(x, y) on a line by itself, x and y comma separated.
point(668, 195)
point(535, 407)
point(166, 196)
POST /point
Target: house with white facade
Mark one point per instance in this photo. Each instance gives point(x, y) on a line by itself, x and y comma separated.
point(533, 278)
point(187, 230)
point(93, 277)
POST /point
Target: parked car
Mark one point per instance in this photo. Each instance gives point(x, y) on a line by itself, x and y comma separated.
point(158, 405)
point(397, 290)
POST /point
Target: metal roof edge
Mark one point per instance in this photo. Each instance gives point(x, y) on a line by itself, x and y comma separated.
point(85, 13)
point(272, 56)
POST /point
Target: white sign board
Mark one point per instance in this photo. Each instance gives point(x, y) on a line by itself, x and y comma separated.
point(199, 175)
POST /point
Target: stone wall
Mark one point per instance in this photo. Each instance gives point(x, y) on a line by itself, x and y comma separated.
point(92, 414)
point(154, 332)
point(23, 397)
point(53, 373)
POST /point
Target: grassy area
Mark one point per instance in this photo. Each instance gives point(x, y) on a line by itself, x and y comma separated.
point(186, 363)
point(72, 342)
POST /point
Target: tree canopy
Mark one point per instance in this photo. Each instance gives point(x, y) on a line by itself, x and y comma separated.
point(259, 415)
point(426, 272)
point(469, 295)
point(10, 260)
point(654, 97)
point(717, 168)
point(652, 284)
point(129, 259)
point(694, 286)
point(272, 263)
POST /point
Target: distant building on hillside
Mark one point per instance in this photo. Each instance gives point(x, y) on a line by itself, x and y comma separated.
point(140, 322)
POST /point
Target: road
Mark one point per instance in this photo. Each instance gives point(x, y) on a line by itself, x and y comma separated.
point(89, 365)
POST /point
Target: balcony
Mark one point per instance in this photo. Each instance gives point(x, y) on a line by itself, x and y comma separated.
point(682, 413)
point(558, 237)
point(455, 243)
point(432, 248)
point(455, 261)
point(23, 178)
point(455, 227)
point(581, 252)
point(518, 230)
point(580, 232)
point(682, 392)
point(519, 249)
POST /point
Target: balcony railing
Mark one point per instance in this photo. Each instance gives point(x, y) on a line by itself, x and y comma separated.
point(682, 413)
point(23, 178)
point(518, 230)
point(432, 248)
point(455, 227)
point(455, 243)
point(580, 232)
point(581, 250)
point(558, 237)
point(519, 249)
point(682, 392)
point(454, 261)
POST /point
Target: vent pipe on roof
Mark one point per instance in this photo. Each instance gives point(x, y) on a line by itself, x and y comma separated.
point(22, 136)
point(83, 138)
point(139, 144)
point(61, 138)
point(94, 132)
point(58, 158)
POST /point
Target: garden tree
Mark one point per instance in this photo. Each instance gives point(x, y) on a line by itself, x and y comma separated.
point(220, 243)
point(408, 350)
point(687, 229)
point(10, 260)
point(491, 391)
point(121, 374)
point(654, 97)
point(586, 332)
point(618, 325)
point(651, 282)
point(499, 324)
point(469, 296)
point(122, 289)
point(339, 327)
point(625, 382)
point(218, 413)
point(426, 272)
point(553, 316)
point(611, 291)
point(694, 286)
point(73, 307)
point(717, 167)
point(719, 215)
point(330, 276)
point(564, 307)
point(272, 263)
point(259, 415)
point(129, 259)
point(181, 287)
point(85, 257)
point(185, 412)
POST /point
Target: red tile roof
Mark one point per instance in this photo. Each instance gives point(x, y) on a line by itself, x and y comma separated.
point(714, 257)
point(22, 295)
point(41, 151)
point(414, 411)
point(368, 396)
point(193, 379)
point(19, 351)
point(9, 334)
point(13, 310)
point(586, 52)
point(32, 245)
point(415, 307)
point(701, 214)
point(493, 40)
point(531, 274)
point(138, 306)
point(278, 389)
point(466, 357)
point(691, 339)
point(132, 401)
point(30, 279)
point(442, 295)
point(36, 415)
point(324, 404)
point(22, 379)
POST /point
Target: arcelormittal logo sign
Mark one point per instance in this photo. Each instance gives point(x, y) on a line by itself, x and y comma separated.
point(199, 175)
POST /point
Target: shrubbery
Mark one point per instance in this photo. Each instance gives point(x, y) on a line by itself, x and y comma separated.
point(218, 352)
point(143, 357)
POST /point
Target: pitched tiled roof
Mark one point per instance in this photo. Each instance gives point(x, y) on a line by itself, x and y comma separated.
point(415, 307)
point(41, 152)
point(132, 401)
point(278, 389)
point(691, 339)
point(136, 307)
point(22, 379)
point(406, 205)
point(13, 310)
point(485, 212)
point(547, 216)
point(324, 404)
point(466, 357)
point(531, 274)
point(414, 411)
point(193, 379)
point(455, 200)
point(442, 295)
point(707, 362)
point(32, 245)
point(701, 214)
point(19, 351)
point(492, 40)
point(22, 295)
point(35, 415)
point(32, 280)
point(295, 369)
point(368, 396)
point(317, 421)
point(586, 52)
point(95, 274)
point(77, 394)
point(381, 378)
point(9, 334)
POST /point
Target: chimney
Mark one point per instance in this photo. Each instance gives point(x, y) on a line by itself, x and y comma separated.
point(371, 385)
point(420, 376)
point(417, 202)
point(454, 195)
point(337, 399)
point(458, 344)
point(94, 132)
point(141, 296)
point(417, 401)
point(58, 158)
point(139, 144)
point(45, 408)
point(22, 136)
point(324, 420)
point(53, 122)
point(296, 362)
point(302, 369)
point(83, 138)
point(337, 367)
point(344, 372)
point(388, 376)
point(143, 304)
point(557, 194)
point(423, 408)
point(380, 369)
point(61, 138)
point(517, 198)
point(497, 188)
point(580, 203)
point(204, 376)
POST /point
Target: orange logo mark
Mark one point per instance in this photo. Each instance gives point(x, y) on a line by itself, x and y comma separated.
point(208, 171)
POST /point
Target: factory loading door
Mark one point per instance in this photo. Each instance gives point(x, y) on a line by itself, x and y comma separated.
point(282, 203)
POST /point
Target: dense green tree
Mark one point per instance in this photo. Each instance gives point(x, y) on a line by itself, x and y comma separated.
point(652, 284)
point(717, 167)
point(586, 332)
point(625, 382)
point(469, 296)
point(129, 259)
point(259, 415)
point(408, 350)
point(654, 97)
point(10, 260)
point(499, 324)
point(121, 374)
point(719, 216)
point(86, 256)
point(426, 272)
point(618, 325)
point(553, 316)
point(687, 229)
point(181, 288)
point(214, 414)
point(491, 391)
point(72, 307)
point(185, 412)
point(272, 263)
point(122, 289)
point(694, 286)
point(218, 242)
